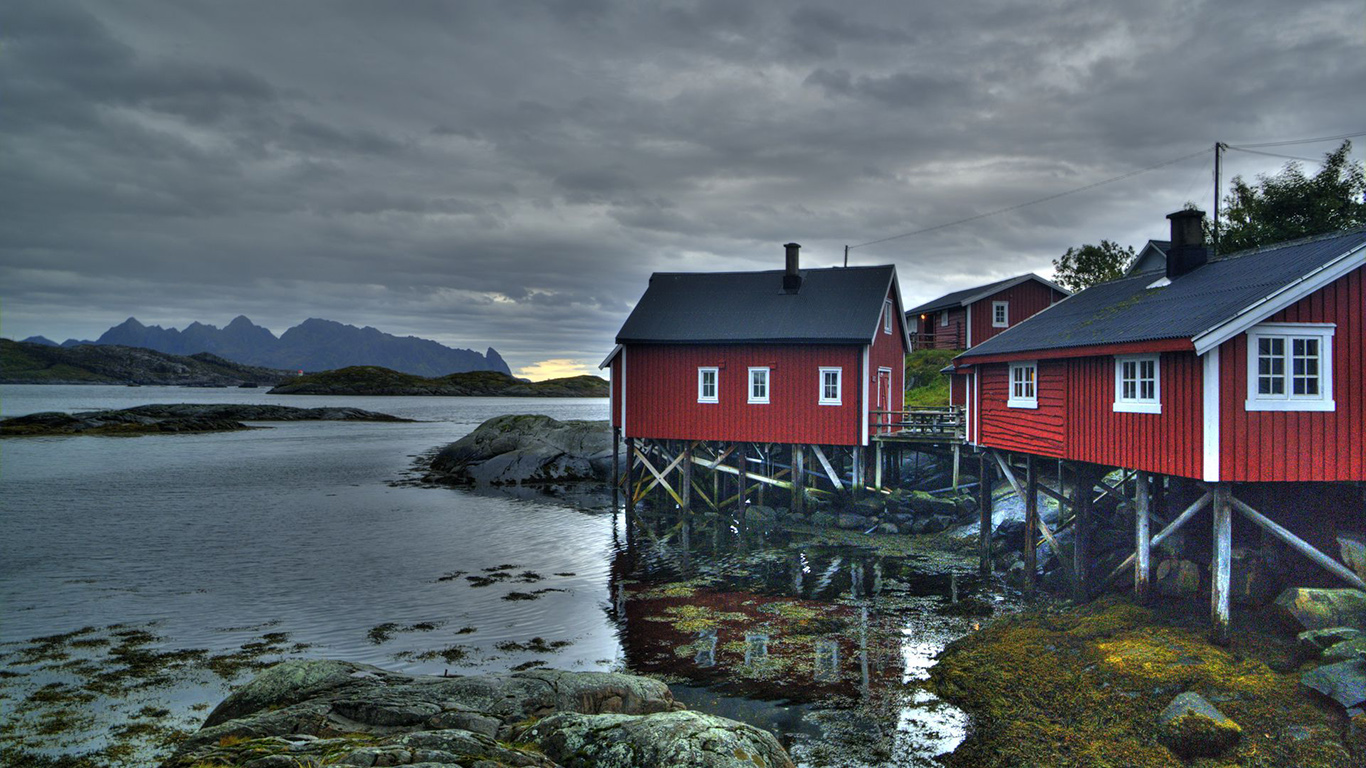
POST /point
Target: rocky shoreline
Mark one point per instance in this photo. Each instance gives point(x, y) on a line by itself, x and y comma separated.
point(316, 712)
point(174, 418)
point(373, 380)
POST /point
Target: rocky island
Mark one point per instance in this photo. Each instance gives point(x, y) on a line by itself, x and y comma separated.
point(178, 417)
point(374, 380)
point(30, 363)
point(516, 449)
point(311, 713)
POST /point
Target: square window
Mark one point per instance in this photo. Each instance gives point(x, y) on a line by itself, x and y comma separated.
point(707, 379)
point(1290, 367)
point(758, 384)
point(830, 379)
point(1138, 385)
point(1000, 314)
point(1023, 385)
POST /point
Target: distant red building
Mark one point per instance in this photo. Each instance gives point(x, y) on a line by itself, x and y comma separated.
point(1244, 368)
point(966, 318)
point(794, 356)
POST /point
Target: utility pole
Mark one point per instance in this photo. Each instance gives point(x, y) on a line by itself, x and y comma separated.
point(1219, 147)
point(846, 255)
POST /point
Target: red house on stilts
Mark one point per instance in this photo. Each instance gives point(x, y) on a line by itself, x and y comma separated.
point(755, 368)
point(1246, 368)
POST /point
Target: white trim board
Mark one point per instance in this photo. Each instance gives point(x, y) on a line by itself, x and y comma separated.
point(1283, 297)
point(1210, 408)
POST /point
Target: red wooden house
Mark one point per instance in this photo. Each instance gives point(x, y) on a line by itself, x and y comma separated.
point(794, 356)
point(963, 319)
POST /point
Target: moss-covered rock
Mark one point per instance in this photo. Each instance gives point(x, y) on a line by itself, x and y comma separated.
point(673, 738)
point(518, 449)
point(1192, 727)
point(1310, 608)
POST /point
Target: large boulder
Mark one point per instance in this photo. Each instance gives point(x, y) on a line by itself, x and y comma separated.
point(672, 738)
point(1344, 682)
point(515, 449)
point(294, 713)
point(1312, 643)
point(1191, 727)
point(921, 503)
point(1177, 578)
point(1353, 549)
point(1310, 608)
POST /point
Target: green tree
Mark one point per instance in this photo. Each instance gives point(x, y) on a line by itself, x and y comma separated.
point(1088, 265)
point(1290, 205)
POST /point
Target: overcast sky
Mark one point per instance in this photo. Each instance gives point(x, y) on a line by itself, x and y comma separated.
point(509, 174)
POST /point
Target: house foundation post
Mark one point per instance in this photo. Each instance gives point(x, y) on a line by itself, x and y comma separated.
point(856, 471)
point(877, 465)
point(1142, 538)
point(630, 473)
point(798, 479)
point(957, 455)
point(1221, 565)
point(616, 467)
point(1031, 502)
point(984, 506)
point(741, 481)
point(1081, 533)
point(685, 479)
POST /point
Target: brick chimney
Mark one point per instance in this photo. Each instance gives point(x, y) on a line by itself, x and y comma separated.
point(1188, 251)
point(792, 278)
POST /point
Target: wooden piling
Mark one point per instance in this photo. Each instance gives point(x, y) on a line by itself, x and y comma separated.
point(741, 480)
point(1221, 565)
point(798, 478)
point(856, 471)
point(1142, 540)
point(984, 505)
point(685, 479)
point(630, 473)
point(1081, 533)
point(1031, 502)
point(957, 455)
point(877, 465)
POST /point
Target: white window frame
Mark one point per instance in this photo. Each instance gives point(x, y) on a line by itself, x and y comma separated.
point(1030, 400)
point(768, 383)
point(1288, 401)
point(943, 319)
point(715, 384)
point(839, 386)
point(886, 317)
point(1138, 403)
point(1004, 307)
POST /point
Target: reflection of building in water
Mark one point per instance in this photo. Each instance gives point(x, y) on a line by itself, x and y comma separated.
point(756, 648)
point(827, 661)
point(706, 651)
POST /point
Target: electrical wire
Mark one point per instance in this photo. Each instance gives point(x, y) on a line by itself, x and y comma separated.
point(1273, 154)
point(1018, 206)
point(1305, 141)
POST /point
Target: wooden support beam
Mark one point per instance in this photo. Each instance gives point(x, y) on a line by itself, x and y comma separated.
point(1109, 490)
point(1221, 565)
point(697, 489)
point(1300, 545)
point(798, 478)
point(829, 470)
point(984, 506)
point(1042, 527)
point(1170, 528)
point(1081, 535)
point(856, 473)
point(877, 465)
point(1061, 498)
point(685, 478)
point(1031, 502)
point(616, 457)
point(630, 473)
point(957, 453)
point(659, 476)
point(1142, 542)
point(742, 478)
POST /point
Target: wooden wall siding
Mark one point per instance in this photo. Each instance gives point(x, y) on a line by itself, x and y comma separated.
point(889, 351)
point(1041, 431)
point(1026, 299)
point(932, 335)
point(615, 370)
point(958, 389)
point(1265, 446)
point(1168, 443)
point(661, 394)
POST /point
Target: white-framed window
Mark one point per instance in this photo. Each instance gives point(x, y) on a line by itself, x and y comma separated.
point(831, 379)
point(758, 384)
point(943, 318)
point(886, 316)
point(1000, 314)
point(1138, 384)
point(708, 381)
point(1024, 385)
point(1290, 367)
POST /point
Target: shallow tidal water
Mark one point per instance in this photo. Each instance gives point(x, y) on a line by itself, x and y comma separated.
point(307, 529)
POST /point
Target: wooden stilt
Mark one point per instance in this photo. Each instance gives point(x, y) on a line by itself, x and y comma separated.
point(1142, 542)
point(829, 468)
point(856, 471)
point(616, 457)
point(630, 473)
point(1031, 502)
point(957, 455)
point(742, 480)
point(1081, 534)
point(1171, 528)
point(877, 465)
point(1300, 545)
point(1221, 565)
point(798, 479)
point(984, 505)
point(685, 479)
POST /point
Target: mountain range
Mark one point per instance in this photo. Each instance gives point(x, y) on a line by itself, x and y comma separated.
point(313, 345)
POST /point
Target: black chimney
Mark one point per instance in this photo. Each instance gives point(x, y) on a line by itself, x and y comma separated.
point(792, 278)
point(1188, 251)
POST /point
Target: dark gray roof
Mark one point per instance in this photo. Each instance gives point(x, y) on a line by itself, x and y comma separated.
point(959, 298)
point(835, 305)
point(1128, 310)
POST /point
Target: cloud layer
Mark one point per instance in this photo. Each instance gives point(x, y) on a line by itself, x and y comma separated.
point(509, 174)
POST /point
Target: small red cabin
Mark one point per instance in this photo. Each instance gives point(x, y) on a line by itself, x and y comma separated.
point(797, 356)
point(963, 319)
point(1243, 368)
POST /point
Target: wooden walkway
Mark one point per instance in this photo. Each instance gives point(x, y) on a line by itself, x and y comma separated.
point(944, 425)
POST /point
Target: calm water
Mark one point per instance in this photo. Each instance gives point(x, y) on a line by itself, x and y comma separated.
point(298, 528)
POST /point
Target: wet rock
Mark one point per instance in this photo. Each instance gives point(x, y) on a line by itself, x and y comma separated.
point(518, 449)
point(1314, 642)
point(1252, 579)
point(1011, 530)
point(824, 520)
point(1346, 650)
point(290, 683)
point(1344, 682)
point(1310, 608)
point(851, 521)
point(1353, 549)
point(888, 528)
point(922, 503)
point(674, 738)
point(1177, 578)
point(1191, 727)
point(929, 525)
point(759, 513)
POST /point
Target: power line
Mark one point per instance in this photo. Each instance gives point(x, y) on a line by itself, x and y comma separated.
point(1018, 206)
point(1305, 141)
point(1273, 154)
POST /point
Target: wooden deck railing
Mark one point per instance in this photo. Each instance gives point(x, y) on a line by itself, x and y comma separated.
point(944, 424)
point(949, 338)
